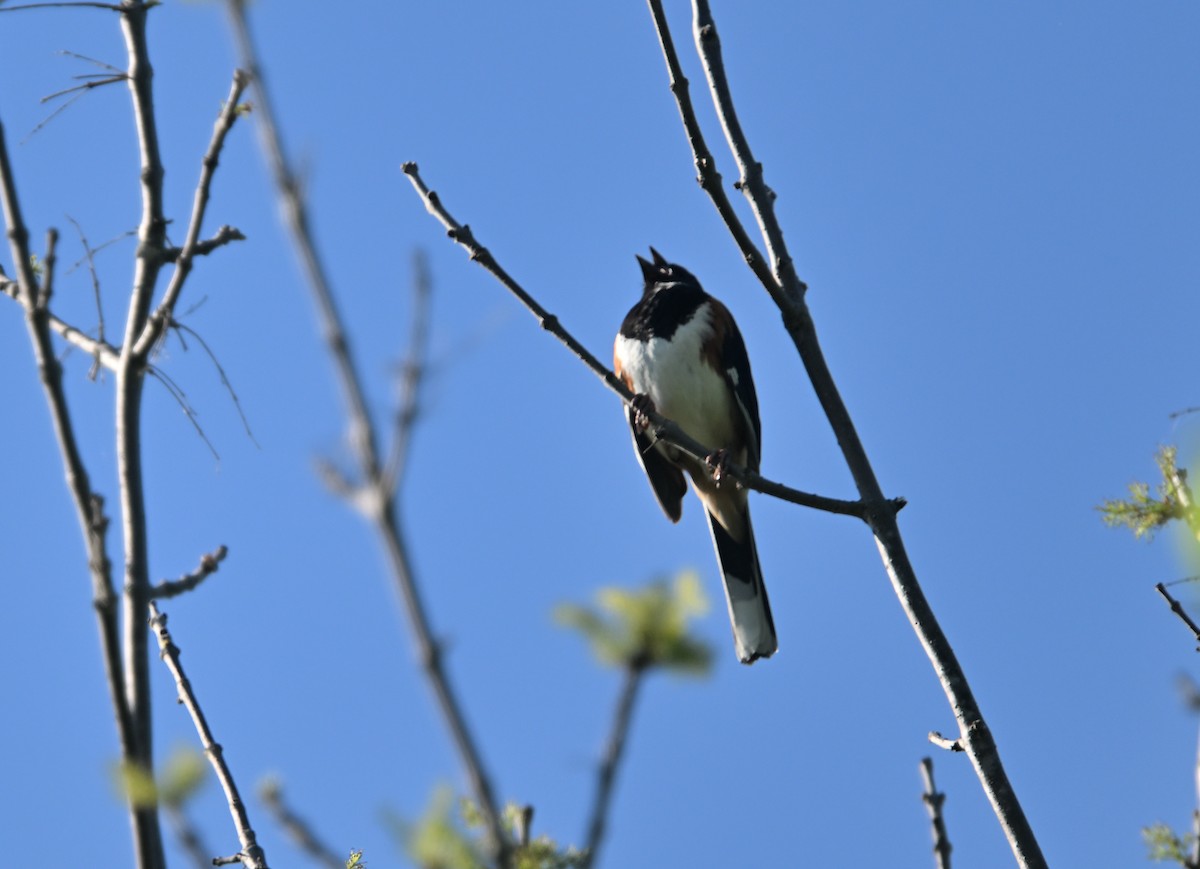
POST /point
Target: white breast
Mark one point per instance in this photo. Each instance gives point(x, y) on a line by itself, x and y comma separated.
point(681, 385)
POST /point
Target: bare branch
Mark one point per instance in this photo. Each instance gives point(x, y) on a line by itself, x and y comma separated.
point(300, 831)
point(237, 403)
point(92, 84)
point(663, 428)
point(1177, 608)
point(942, 742)
point(761, 197)
point(210, 563)
point(706, 167)
point(89, 506)
point(412, 374)
point(607, 774)
point(91, 261)
point(159, 320)
point(251, 855)
point(373, 497)
point(223, 236)
point(130, 380)
point(788, 291)
point(295, 212)
point(187, 834)
point(933, 800)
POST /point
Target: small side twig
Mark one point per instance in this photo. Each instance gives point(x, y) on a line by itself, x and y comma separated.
point(933, 800)
point(607, 774)
point(412, 372)
point(300, 831)
point(157, 323)
point(942, 742)
point(188, 835)
point(251, 855)
point(210, 563)
point(1177, 608)
point(91, 262)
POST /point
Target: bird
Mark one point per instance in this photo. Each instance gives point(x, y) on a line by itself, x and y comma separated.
point(681, 353)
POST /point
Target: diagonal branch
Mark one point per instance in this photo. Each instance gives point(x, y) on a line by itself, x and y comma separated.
point(160, 319)
point(374, 498)
point(788, 292)
point(412, 373)
point(664, 428)
point(300, 831)
point(210, 563)
point(295, 213)
point(1177, 608)
point(89, 506)
point(750, 182)
point(251, 856)
point(607, 776)
point(706, 167)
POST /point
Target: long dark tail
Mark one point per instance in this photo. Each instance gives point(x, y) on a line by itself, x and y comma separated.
point(745, 593)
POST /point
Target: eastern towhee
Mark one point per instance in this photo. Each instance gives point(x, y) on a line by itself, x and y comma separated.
point(680, 352)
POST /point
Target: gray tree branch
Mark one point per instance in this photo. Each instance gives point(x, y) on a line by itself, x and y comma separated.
point(251, 855)
point(89, 506)
point(373, 493)
point(933, 800)
point(788, 291)
point(607, 776)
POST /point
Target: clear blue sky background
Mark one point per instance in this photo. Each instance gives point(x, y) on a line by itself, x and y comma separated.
point(997, 210)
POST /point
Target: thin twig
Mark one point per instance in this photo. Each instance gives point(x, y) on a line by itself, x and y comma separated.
point(157, 323)
point(787, 286)
point(933, 800)
point(176, 392)
point(788, 292)
point(252, 856)
point(412, 374)
point(223, 236)
point(91, 261)
point(607, 775)
point(663, 428)
point(375, 499)
point(1177, 608)
point(706, 167)
point(297, 828)
point(210, 563)
point(237, 403)
point(942, 742)
point(188, 835)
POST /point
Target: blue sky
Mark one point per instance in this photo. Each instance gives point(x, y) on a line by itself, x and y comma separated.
point(996, 209)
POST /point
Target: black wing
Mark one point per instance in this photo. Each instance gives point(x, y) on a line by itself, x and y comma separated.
point(666, 479)
point(736, 368)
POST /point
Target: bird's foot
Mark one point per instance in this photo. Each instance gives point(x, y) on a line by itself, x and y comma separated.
point(717, 463)
point(641, 404)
